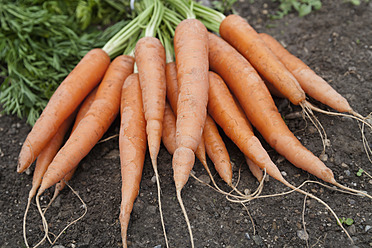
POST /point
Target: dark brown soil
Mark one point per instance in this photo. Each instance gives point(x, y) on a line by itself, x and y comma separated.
point(336, 42)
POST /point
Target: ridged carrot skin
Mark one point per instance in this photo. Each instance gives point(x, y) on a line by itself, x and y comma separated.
point(169, 129)
point(255, 169)
point(172, 96)
point(311, 83)
point(71, 92)
point(150, 61)
point(226, 113)
point(217, 150)
point(132, 146)
point(97, 120)
point(83, 109)
point(237, 32)
point(258, 105)
point(47, 154)
point(191, 52)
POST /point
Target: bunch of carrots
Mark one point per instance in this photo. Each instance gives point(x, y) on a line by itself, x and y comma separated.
point(173, 81)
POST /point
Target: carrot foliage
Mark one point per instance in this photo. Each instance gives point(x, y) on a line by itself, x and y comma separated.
point(41, 42)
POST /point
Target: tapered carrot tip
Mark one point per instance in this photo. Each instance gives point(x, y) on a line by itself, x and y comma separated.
point(24, 161)
point(124, 221)
point(154, 127)
point(183, 161)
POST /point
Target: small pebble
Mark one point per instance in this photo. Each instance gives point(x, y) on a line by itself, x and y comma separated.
point(323, 157)
point(153, 179)
point(247, 191)
point(58, 246)
point(302, 235)
point(257, 240)
point(284, 174)
point(344, 165)
point(28, 171)
point(347, 172)
point(198, 208)
point(247, 236)
point(351, 201)
point(205, 179)
point(157, 246)
point(366, 229)
point(352, 230)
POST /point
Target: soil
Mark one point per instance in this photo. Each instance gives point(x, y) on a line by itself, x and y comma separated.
point(336, 41)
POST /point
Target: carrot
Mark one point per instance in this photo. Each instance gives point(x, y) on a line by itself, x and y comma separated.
point(191, 51)
point(223, 108)
point(169, 130)
point(76, 86)
point(132, 145)
point(260, 109)
point(45, 157)
point(217, 151)
point(150, 61)
point(172, 95)
point(91, 128)
point(255, 169)
point(83, 109)
point(311, 83)
point(226, 113)
point(236, 31)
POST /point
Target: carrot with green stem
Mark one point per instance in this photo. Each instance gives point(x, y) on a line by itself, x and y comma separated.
point(191, 52)
point(255, 99)
point(237, 31)
point(72, 91)
point(132, 145)
point(150, 61)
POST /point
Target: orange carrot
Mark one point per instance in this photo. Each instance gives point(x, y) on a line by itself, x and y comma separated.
point(83, 109)
point(191, 50)
point(226, 113)
point(311, 83)
point(260, 109)
point(132, 145)
point(172, 95)
point(72, 91)
point(255, 169)
point(150, 60)
point(91, 128)
point(236, 31)
point(44, 159)
point(217, 151)
point(169, 129)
